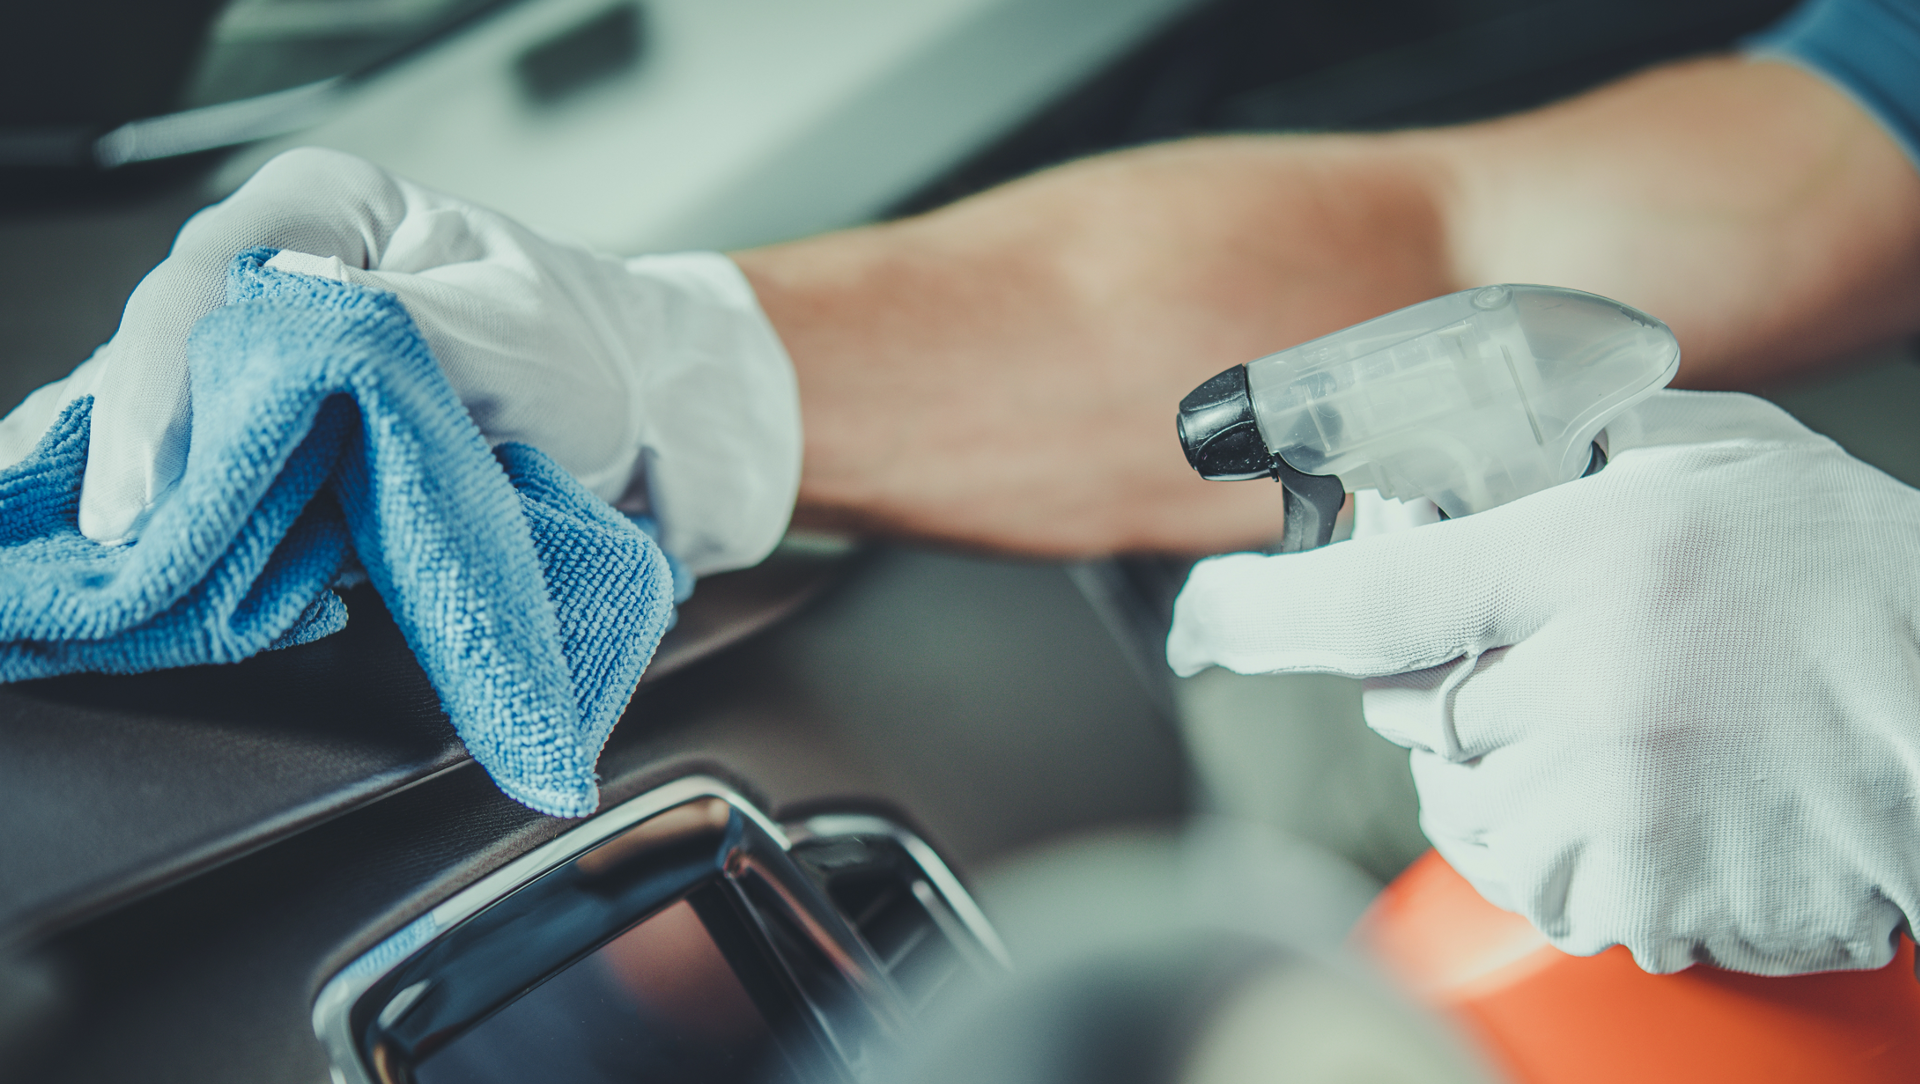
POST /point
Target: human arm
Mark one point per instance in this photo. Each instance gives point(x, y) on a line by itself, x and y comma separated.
point(1752, 205)
point(1002, 373)
point(1669, 706)
point(655, 380)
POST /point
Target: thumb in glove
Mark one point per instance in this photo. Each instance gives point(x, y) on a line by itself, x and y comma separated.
point(1671, 706)
point(655, 381)
point(315, 201)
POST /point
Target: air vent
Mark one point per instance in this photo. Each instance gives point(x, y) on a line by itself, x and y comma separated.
point(886, 897)
point(607, 45)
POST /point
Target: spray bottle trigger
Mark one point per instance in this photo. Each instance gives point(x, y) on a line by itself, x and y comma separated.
point(1312, 501)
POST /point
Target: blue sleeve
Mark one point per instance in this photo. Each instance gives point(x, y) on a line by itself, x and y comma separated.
point(1870, 48)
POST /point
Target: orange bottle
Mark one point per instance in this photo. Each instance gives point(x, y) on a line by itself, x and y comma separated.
point(1548, 1018)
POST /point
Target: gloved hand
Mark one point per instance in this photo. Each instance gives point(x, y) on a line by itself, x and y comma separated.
point(1675, 705)
point(656, 381)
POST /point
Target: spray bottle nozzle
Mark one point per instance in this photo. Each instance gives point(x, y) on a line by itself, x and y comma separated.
point(1219, 433)
point(1470, 400)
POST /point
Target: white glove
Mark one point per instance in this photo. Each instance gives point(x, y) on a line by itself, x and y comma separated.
point(656, 381)
point(1675, 705)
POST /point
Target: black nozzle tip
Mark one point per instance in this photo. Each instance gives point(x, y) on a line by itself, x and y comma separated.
point(1218, 432)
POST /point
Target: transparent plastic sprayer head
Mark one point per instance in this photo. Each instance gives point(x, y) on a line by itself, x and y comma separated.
point(1470, 400)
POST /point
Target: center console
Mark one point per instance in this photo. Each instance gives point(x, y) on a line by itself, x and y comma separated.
point(680, 936)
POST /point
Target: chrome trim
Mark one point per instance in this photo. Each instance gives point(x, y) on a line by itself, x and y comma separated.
point(334, 1005)
point(953, 910)
point(844, 947)
point(223, 125)
point(951, 892)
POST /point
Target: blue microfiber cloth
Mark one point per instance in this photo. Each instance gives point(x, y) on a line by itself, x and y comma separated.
point(323, 430)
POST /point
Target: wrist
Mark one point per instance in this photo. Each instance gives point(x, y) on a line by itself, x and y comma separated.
point(1754, 207)
point(839, 305)
point(1003, 372)
point(717, 440)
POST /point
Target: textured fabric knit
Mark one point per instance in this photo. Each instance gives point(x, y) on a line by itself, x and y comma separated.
point(323, 430)
point(1871, 48)
point(1673, 706)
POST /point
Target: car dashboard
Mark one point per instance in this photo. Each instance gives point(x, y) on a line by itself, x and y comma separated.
point(289, 870)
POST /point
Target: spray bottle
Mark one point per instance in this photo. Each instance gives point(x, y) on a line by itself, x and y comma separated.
point(1470, 400)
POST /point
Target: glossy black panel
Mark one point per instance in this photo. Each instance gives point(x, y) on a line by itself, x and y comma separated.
point(660, 1002)
point(600, 959)
point(112, 786)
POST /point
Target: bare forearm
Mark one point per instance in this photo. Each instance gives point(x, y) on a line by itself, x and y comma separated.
point(1003, 372)
point(1752, 206)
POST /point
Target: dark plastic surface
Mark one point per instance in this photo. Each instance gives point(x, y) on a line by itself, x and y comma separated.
point(482, 964)
point(1218, 431)
point(982, 695)
point(1221, 437)
point(1313, 500)
point(111, 786)
point(184, 863)
point(604, 46)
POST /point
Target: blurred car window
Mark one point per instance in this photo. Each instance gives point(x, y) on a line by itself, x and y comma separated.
point(255, 47)
point(73, 73)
